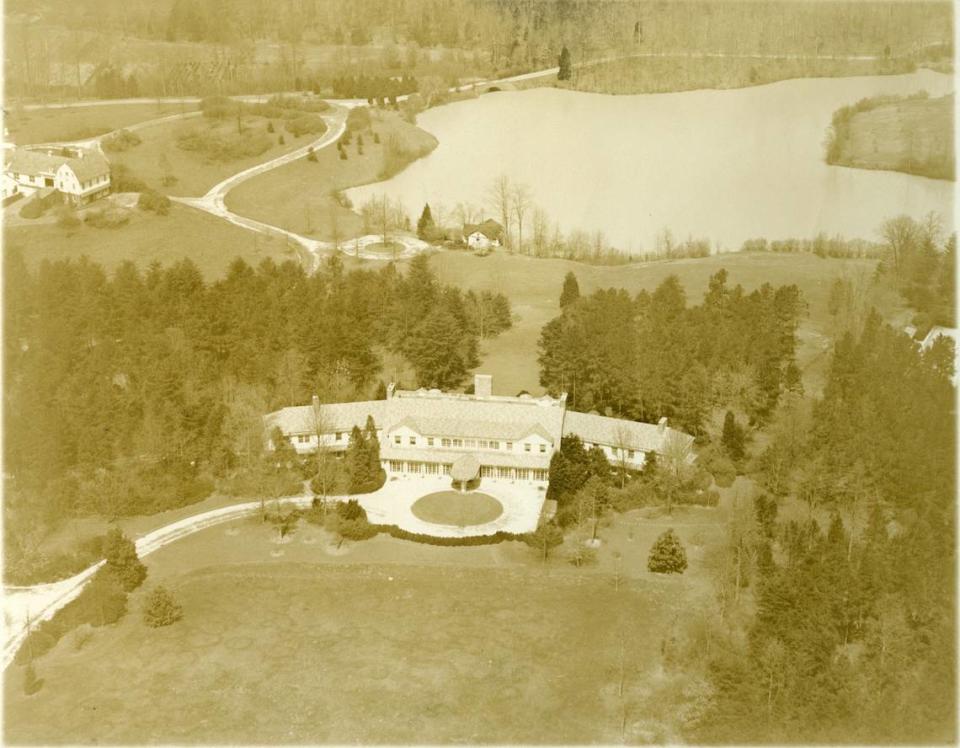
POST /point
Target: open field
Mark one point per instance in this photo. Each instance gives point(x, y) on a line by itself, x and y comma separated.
point(159, 153)
point(419, 644)
point(913, 135)
point(80, 123)
point(533, 287)
point(297, 196)
point(455, 508)
point(210, 242)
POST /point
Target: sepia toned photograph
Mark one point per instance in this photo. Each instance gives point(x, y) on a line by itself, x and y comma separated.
point(479, 372)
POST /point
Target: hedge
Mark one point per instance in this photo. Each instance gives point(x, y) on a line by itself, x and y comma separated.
point(401, 534)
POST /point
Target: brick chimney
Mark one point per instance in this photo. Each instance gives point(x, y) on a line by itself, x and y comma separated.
point(662, 425)
point(482, 385)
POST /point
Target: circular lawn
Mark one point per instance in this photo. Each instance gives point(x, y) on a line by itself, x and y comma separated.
point(455, 508)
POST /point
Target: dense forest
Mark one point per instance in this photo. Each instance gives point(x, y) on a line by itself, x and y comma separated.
point(211, 46)
point(138, 392)
point(654, 355)
point(837, 623)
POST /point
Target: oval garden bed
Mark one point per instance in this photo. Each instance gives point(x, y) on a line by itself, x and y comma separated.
point(455, 508)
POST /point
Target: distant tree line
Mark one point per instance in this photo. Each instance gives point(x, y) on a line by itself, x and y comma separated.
point(374, 88)
point(652, 355)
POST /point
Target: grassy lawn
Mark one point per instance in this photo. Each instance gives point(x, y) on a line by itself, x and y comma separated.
point(381, 641)
point(79, 123)
point(196, 173)
point(455, 508)
point(913, 136)
point(533, 287)
point(210, 242)
point(297, 196)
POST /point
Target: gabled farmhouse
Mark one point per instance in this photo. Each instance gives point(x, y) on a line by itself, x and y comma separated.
point(427, 432)
point(483, 235)
point(81, 177)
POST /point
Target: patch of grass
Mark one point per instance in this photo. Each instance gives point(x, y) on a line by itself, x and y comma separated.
point(412, 655)
point(913, 135)
point(78, 123)
point(299, 196)
point(456, 508)
point(199, 152)
point(210, 242)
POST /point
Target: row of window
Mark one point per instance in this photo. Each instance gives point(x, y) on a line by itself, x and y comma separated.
point(486, 471)
point(615, 451)
point(451, 443)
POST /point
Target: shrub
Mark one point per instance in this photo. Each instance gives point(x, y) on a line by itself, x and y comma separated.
point(122, 140)
point(103, 601)
point(356, 529)
point(724, 472)
point(161, 609)
point(67, 219)
point(311, 155)
point(306, 124)
point(667, 555)
point(153, 200)
point(31, 683)
point(358, 118)
point(270, 127)
point(281, 141)
point(343, 155)
point(32, 209)
point(351, 510)
point(376, 137)
point(223, 146)
point(107, 218)
point(219, 107)
point(122, 180)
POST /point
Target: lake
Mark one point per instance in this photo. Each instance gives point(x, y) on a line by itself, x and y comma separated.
point(723, 165)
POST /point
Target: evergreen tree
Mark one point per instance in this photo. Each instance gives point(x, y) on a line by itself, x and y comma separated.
point(544, 539)
point(566, 68)
point(425, 222)
point(358, 462)
point(571, 290)
point(161, 609)
point(732, 439)
point(667, 555)
point(122, 560)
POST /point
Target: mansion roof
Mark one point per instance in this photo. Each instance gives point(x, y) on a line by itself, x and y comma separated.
point(432, 413)
point(89, 165)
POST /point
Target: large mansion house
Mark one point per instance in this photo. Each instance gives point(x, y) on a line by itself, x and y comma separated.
point(428, 431)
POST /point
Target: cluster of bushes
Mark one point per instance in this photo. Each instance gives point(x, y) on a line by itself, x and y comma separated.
point(154, 201)
point(306, 124)
point(219, 146)
point(103, 600)
point(33, 209)
point(123, 180)
point(34, 568)
point(122, 140)
point(107, 218)
point(161, 609)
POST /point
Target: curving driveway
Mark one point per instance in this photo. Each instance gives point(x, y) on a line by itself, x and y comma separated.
point(214, 202)
point(24, 607)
